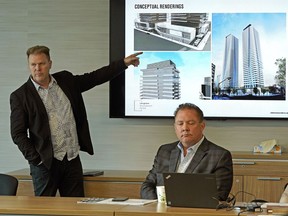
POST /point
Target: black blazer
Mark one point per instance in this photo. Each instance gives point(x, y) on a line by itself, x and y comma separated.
point(209, 158)
point(29, 120)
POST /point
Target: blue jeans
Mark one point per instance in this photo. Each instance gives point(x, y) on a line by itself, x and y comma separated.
point(65, 176)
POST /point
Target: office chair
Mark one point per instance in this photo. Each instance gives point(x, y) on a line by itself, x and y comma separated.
point(8, 185)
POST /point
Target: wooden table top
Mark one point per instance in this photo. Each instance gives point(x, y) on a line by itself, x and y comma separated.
point(160, 209)
point(52, 206)
point(32, 205)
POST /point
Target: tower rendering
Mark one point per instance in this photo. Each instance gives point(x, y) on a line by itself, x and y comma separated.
point(252, 59)
point(231, 62)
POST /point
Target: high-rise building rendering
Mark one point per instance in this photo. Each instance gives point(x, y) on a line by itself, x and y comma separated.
point(160, 80)
point(231, 61)
point(252, 59)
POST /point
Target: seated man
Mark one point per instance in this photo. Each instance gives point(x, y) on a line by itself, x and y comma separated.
point(193, 153)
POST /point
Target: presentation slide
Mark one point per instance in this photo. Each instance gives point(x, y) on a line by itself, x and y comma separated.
point(226, 56)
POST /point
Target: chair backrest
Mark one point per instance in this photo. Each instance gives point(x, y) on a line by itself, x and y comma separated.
point(8, 185)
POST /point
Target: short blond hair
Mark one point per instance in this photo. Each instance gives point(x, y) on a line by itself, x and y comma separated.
point(38, 50)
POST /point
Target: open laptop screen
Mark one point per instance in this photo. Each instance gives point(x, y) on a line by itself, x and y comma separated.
point(191, 190)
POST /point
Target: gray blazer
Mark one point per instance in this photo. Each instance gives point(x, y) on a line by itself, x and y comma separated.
point(209, 158)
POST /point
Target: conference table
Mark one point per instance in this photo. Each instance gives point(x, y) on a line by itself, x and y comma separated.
point(31, 205)
point(159, 209)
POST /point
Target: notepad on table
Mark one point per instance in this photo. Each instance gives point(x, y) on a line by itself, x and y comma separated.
point(138, 202)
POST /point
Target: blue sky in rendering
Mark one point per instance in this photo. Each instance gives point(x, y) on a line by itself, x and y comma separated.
point(272, 33)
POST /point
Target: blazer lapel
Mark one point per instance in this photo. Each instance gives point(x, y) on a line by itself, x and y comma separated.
point(33, 91)
point(199, 155)
point(64, 87)
point(174, 159)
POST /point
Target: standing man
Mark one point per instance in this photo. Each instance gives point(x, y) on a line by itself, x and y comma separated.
point(192, 153)
point(49, 121)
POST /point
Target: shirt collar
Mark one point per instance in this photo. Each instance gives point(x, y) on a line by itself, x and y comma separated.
point(193, 147)
point(37, 86)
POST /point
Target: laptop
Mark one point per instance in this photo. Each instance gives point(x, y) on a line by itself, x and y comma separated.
point(191, 190)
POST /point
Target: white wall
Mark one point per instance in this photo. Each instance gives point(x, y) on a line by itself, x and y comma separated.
point(78, 34)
